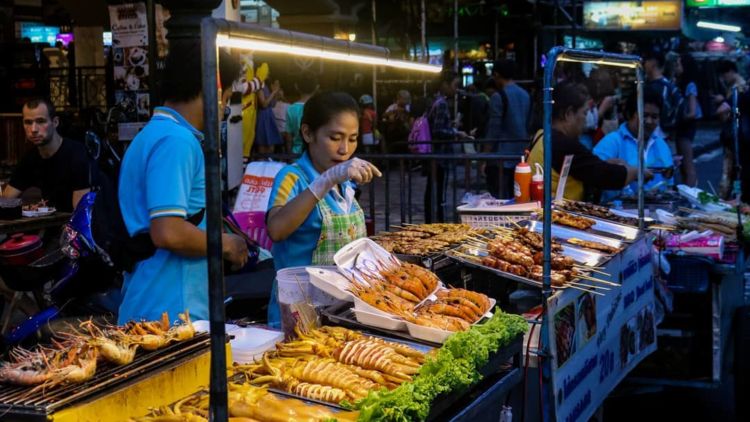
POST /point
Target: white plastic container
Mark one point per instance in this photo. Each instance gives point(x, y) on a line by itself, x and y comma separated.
point(250, 343)
point(203, 326)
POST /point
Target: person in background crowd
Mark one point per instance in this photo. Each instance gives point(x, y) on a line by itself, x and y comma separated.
point(402, 102)
point(622, 144)
point(442, 128)
point(280, 108)
point(267, 134)
point(61, 168)
point(509, 112)
point(368, 123)
point(306, 85)
point(602, 92)
point(685, 76)
point(571, 100)
point(653, 65)
point(730, 79)
point(396, 122)
point(163, 194)
point(312, 212)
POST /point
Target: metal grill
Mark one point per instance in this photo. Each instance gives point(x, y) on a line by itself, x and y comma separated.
point(19, 401)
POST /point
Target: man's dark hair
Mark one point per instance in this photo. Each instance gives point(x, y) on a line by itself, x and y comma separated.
point(505, 69)
point(650, 96)
point(447, 77)
point(568, 95)
point(182, 80)
point(725, 66)
point(654, 55)
point(490, 84)
point(36, 102)
point(306, 83)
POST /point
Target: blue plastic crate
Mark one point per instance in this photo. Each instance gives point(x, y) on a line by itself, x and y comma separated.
point(689, 273)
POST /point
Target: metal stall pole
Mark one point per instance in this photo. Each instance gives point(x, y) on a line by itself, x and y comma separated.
point(546, 367)
point(737, 188)
point(580, 56)
point(641, 147)
point(374, 68)
point(218, 378)
point(425, 54)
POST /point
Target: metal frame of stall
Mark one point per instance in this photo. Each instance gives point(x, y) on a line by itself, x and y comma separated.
point(726, 296)
point(579, 56)
point(222, 33)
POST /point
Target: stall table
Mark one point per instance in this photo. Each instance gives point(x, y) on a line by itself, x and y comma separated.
point(34, 223)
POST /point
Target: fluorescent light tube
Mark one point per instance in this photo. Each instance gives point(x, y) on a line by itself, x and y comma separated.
point(718, 26)
point(275, 47)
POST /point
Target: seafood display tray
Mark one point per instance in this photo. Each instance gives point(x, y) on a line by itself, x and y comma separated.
point(503, 366)
point(564, 233)
point(568, 251)
point(610, 228)
point(17, 403)
point(342, 314)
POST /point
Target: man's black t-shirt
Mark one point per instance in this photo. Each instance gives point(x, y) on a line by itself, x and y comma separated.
point(57, 176)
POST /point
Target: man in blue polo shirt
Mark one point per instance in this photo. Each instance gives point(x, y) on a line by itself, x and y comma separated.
point(162, 192)
point(622, 144)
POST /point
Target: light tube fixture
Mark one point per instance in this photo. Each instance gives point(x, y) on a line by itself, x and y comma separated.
point(276, 47)
point(718, 26)
point(600, 62)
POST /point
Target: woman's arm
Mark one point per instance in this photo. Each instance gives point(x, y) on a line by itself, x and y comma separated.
point(264, 101)
point(285, 220)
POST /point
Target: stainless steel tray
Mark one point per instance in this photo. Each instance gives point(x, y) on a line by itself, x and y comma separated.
point(565, 233)
point(472, 251)
point(474, 264)
point(622, 231)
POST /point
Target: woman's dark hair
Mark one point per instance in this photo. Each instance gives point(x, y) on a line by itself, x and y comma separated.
point(650, 96)
point(690, 72)
point(321, 108)
point(568, 95)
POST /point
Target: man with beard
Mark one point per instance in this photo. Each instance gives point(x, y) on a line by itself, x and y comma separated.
point(61, 168)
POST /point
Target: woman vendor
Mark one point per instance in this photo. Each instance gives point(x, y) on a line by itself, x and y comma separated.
point(312, 212)
point(623, 144)
point(571, 102)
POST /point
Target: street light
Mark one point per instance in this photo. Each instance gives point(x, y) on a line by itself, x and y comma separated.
point(718, 26)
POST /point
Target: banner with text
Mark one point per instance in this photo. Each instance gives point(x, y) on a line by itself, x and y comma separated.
point(596, 340)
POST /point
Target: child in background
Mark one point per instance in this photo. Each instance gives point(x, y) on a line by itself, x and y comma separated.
point(367, 122)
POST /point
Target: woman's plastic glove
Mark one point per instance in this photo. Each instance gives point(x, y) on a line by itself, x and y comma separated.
point(360, 171)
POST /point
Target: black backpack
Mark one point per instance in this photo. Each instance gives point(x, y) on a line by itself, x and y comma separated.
point(115, 245)
point(672, 108)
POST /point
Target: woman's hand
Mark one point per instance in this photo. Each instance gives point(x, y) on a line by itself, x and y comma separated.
point(360, 171)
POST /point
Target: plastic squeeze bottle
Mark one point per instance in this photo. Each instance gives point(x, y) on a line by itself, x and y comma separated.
point(522, 181)
point(537, 183)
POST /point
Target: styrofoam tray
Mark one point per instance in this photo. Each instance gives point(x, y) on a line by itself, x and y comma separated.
point(331, 281)
point(379, 321)
point(356, 254)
